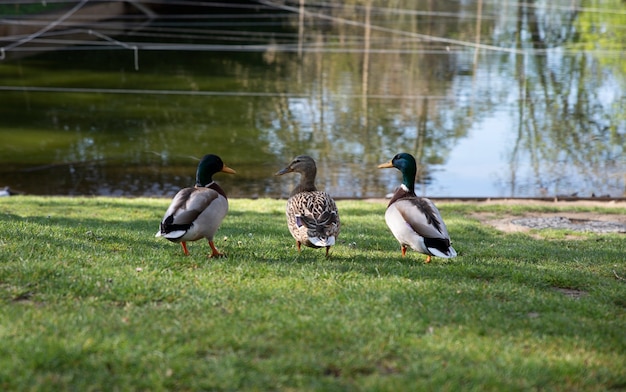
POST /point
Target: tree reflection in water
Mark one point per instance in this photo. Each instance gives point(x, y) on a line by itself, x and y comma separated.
point(350, 84)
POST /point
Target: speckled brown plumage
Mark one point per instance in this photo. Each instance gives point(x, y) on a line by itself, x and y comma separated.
point(312, 216)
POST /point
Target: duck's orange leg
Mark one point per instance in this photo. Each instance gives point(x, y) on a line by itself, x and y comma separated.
point(427, 259)
point(403, 250)
point(214, 251)
point(298, 246)
point(327, 249)
point(184, 245)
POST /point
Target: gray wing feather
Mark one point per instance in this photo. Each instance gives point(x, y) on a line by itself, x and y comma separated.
point(189, 203)
point(423, 217)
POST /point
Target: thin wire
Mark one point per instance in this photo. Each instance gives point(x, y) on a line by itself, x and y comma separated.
point(498, 3)
point(81, 45)
point(248, 16)
point(395, 31)
point(42, 31)
point(290, 48)
point(566, 8)
point(134, 48)
point(73, 90)
point(430, 37)
point(225, 35)
point(165, 2)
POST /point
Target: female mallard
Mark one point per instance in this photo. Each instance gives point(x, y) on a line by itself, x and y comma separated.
point(415, 221)
point(312, 215)
point(197, 212)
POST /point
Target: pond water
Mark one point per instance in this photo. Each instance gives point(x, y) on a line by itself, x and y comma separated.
point(493, 98)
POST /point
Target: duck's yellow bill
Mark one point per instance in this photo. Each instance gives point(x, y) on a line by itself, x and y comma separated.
point(227, 169)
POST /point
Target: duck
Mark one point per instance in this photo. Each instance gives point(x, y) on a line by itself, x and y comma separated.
point(312, 215)
point(6, 191)
point(197, 212)
point(415, 221)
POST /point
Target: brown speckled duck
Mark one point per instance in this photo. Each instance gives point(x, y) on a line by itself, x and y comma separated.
point(197, 212)
point(415, 221)
point(312, 215)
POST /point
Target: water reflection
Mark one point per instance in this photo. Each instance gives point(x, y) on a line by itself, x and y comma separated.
point(524, 99)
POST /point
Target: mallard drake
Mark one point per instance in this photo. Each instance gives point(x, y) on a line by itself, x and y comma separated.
point(312, 215)
point(197, 212)
point(415, 221)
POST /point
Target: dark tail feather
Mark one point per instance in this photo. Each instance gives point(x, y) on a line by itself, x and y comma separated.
point(441, 244)
point(167, 226)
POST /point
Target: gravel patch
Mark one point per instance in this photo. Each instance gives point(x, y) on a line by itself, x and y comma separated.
point(561, 222)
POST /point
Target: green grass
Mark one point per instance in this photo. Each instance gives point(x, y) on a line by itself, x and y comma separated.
point(90, 300)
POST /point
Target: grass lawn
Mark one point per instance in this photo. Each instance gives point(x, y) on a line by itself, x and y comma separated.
point(91, 301)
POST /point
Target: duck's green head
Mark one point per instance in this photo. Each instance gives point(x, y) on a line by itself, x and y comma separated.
point(407, 166)
point(209, 165)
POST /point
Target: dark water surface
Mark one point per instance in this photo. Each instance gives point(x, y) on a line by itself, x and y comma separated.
point(493, 98)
